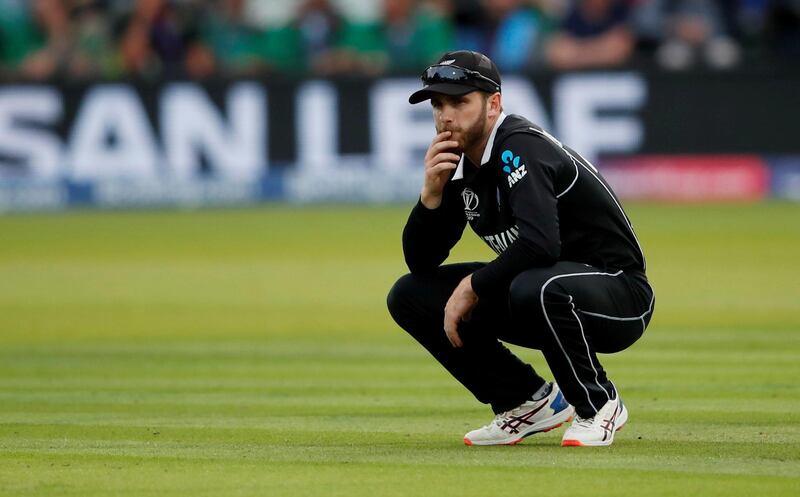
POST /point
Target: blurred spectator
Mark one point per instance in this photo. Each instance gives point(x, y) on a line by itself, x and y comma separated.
point(161, 38)
point(240, 47)
point(231, 39)
point(77, 41)
point(281, 47)
point(687, 31)
point(415, 33)
point(510, 32)
point(360, 49)
point(333, 44)
point(59, 44)
point(409, 36)
point(594, 33)
point(319, 25)
point(19, 34)
point(97, 54)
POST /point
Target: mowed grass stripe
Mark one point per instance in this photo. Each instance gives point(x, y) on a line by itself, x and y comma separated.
point(683, 456)
point(176, 476)
point(389, 452)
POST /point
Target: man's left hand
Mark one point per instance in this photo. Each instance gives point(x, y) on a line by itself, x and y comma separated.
point(459, 308)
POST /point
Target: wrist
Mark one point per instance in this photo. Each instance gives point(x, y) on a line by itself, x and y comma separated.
point(429, 200)
point(466, 285)
point(476, 282)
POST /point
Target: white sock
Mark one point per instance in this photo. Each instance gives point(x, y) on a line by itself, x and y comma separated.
point(543, 391)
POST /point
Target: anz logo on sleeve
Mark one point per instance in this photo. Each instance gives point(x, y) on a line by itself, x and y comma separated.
point(514, 170)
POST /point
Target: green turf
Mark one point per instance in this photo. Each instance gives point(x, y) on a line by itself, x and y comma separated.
point(248, 352)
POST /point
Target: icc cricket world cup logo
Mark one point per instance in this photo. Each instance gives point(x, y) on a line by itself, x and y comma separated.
point(470, 203)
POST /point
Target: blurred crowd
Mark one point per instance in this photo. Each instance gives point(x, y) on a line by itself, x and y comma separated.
point(76, 39)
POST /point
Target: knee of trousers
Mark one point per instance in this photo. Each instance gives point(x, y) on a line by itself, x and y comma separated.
point(530, 298)
point(400, 299)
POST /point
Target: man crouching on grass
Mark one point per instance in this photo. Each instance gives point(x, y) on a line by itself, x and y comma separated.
point(569, 276)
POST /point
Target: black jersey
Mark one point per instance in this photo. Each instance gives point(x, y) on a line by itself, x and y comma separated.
point(534, 201)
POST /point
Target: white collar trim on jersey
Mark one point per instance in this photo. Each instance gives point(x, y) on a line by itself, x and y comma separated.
point(487, 152)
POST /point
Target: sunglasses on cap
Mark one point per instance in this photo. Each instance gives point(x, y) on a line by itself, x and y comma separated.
point(458, 75)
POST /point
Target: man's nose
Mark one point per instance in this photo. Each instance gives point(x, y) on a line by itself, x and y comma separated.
point(446, 115)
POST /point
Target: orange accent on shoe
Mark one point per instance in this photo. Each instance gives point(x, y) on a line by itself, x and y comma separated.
point(571, 443)
point(515, 442)
point(467, 441)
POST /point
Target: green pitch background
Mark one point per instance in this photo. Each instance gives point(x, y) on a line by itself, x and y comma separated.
point(248, 352)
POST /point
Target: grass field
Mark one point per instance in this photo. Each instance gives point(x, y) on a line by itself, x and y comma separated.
point(248, 352)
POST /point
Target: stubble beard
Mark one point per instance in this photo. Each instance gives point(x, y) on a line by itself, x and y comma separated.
point(473, 135)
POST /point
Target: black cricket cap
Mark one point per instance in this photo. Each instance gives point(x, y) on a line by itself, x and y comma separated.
point(458, 73)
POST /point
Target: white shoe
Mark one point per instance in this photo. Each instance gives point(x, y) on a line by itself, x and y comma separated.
point(599, 430)
point(534, 416)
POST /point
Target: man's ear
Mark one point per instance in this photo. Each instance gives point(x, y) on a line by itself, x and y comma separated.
point(495, 104)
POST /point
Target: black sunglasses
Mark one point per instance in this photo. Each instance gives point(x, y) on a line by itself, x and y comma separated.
point(458, 75)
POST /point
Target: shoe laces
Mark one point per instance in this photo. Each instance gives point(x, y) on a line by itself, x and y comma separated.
point(584, 422)
point(499, 419)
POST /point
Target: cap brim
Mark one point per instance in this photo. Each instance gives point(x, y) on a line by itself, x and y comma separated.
point(440, 89)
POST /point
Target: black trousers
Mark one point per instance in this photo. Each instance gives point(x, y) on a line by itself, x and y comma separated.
point(569, 311)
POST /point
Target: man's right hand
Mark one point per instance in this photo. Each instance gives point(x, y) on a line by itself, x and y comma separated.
point(439, 161)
